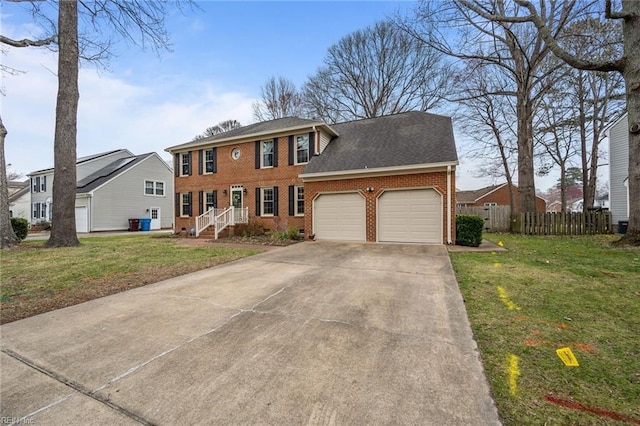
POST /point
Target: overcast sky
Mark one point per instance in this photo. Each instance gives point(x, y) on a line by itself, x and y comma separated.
point(145, 102)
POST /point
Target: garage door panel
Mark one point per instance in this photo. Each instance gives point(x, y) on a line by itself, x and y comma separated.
point(339, 217)
point(410, 216)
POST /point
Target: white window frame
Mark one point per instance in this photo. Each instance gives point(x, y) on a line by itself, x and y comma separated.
point(184, 161)
point(156, 187)
point(184, 203)
point(298, 151)
point(205, 161)
point(262, 153)
point(43, 184)
point(297, 200)
point(263, 199)
point(35, 187)
point(35, 210)
point(208, 205)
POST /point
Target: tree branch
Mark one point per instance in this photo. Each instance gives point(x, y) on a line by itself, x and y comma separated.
point(27, 43)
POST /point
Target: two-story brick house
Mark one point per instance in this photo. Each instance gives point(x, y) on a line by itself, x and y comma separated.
point(390, 178)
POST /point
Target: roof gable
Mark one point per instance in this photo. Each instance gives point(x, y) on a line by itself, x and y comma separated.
point(85, 159)
point(400, 140)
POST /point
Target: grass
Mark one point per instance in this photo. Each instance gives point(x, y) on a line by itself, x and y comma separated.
point(547, 293)
point(36, 279)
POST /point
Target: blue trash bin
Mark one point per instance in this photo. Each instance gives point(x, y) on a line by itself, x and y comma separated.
point(145, 224)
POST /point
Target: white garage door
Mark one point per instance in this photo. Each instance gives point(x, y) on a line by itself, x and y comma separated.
point(410, 216)
point(82, 222)
point(339, 217)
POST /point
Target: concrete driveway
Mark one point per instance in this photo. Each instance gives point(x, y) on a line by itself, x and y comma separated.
point(316, 333)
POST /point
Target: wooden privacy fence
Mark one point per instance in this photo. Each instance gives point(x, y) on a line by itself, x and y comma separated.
point(499, 219)
point(496, 218)
point(577, 223)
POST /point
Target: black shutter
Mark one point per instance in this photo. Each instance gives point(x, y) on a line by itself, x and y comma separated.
point(215, 199)
point(275, 201)
point(177, 165)
point(200, 202)
point(275, 152)
point(200, 161)
point(189, 162)
point(292, 200)
point(258, 209)
point(215, 160)
point(190, 201)
point(38, 186)
point(312, 144)
point(291, 150)
point(257, 154)
point(44, 183)
point(177, 204)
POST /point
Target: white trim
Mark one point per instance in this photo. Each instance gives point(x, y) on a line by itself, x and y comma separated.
point(204, 161)
point(449, 191)
point(273, 201)
point(381, 171)
point(295, 200)
point(182, 194)
point(155, 188)
point(273, 154)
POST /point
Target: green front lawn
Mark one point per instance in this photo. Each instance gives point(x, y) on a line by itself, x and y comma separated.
point(37, 279)
point(547, 293)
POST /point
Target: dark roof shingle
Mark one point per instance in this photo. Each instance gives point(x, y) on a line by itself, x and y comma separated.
point(406, 139)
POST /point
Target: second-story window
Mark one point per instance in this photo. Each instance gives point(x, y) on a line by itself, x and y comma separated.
point(302, 149)
point(185, 163)
point(267, 153)
point(209, 161)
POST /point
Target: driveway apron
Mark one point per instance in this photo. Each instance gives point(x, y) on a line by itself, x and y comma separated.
point(317, 333)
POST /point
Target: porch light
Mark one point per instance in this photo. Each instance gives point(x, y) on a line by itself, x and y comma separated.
point(244, 191)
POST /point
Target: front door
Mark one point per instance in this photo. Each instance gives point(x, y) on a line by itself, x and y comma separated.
point(236, 196)
point(155, 217)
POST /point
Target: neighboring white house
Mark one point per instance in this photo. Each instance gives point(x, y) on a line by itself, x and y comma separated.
point(618, 134)
point(112, 187)
point(19, 199)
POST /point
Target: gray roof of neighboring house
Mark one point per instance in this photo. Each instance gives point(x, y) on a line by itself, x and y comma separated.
point(254, 129)
point(406, 139)
point(108, 172)
point(84, 159)
point(25, 187)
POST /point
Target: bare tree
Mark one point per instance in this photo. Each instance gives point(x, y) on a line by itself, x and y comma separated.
point(518, 51)
point(376, 71)
point(627, 64)
point(222, 127)
point(487, 119)
point(278, 98)
point(8, 237)
point(103, 21)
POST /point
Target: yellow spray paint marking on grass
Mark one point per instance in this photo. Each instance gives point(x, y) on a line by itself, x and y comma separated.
point(502, 293)
point(567, 357)
point(514, 372)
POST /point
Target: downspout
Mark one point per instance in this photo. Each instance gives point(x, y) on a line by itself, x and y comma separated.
point(449, 242)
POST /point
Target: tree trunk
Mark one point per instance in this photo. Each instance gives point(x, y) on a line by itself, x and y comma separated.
point(8, 238)
point(526, 182)
point(631, 74)
point(563, 188)
point(63, 224)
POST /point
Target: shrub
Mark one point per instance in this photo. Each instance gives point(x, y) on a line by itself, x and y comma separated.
point(469, 230)
point(251, 229)
point(292, 233)
point(20, 227)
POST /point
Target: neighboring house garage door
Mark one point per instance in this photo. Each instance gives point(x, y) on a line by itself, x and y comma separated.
point(339, 217)
point(82, 223)
point(410, 216)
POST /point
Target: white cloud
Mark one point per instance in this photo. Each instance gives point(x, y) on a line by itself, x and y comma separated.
point(113, 112)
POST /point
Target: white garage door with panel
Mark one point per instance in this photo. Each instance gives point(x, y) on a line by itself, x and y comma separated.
point(339, 216)
point(410, 216)
point(82, 219)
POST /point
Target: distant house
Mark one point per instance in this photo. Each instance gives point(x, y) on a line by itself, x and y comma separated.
point(19, 199)
point(618, 134)
point(112, 187)
point(494, 195)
